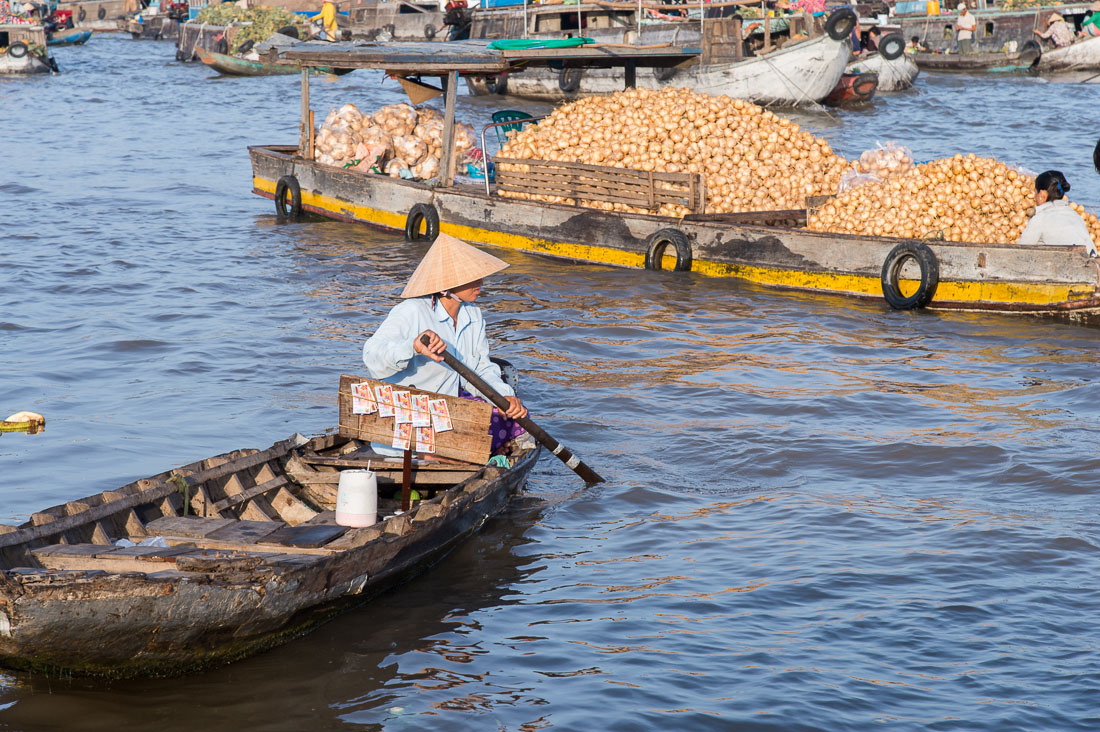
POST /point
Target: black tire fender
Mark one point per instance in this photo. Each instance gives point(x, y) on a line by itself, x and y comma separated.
point(246, 46)
point(221, 46)
point(424, 213)
point(840, 24)
point(429, 31)
point(288, 198)
point(892, 46)
point(101, 13)
point(82, 13)
point(660, 241)
point(17, 49)
point(497, 84)
point(569, 79)
point(508, 373)
point(665, 73)
point(288, 30)
point(891, 275)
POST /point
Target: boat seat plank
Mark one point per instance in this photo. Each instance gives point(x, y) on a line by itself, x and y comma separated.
point(308, 536)
point(245, 532)
point(73, 550)
point(292, 561)
point(152, 553)
point(194, 527)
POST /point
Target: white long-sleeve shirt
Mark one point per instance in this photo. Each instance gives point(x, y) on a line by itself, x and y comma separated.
point(1056, 223)
point(389, 354)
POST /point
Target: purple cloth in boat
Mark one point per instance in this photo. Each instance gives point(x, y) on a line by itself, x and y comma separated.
point(502, 429)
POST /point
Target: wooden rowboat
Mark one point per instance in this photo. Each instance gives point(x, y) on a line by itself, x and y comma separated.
point(72, 37)
point(233, 66)
point(995, 62)
point(248, 555)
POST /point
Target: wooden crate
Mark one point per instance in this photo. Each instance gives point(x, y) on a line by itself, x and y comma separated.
point(582, 182)
point(469, 441)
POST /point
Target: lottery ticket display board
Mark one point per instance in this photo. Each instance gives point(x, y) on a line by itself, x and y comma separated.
point(414, 419)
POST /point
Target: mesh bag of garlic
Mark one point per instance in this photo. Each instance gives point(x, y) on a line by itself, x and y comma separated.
point(398, 140)
point(750, 159)
point(964, 198)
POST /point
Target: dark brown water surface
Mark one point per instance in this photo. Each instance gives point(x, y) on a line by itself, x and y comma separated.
point(819, 514)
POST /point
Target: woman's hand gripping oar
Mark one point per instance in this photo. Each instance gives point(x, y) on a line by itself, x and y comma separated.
point(561, 451)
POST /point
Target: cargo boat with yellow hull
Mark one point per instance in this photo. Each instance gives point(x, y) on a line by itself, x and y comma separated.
point(766, 247)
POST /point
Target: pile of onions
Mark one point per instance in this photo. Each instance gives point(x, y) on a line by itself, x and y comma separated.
point(399, 140)
point(964, 198)
point(750, 158)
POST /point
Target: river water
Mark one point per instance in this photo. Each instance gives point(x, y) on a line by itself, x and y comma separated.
point(819, 514)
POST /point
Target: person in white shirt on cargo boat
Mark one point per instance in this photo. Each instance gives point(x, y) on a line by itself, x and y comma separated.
point(439, 304)
point(966, 24)
point(1054, 221)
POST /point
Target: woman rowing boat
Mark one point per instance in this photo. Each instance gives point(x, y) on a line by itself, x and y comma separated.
point(439, 304)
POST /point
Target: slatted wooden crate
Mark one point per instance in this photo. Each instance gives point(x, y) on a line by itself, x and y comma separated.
point(469, 441)
point(583, 182)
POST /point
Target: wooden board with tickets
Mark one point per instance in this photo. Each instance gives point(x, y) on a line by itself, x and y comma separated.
point(415, 419)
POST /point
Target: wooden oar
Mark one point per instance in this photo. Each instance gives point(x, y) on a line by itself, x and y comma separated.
point(561, 451)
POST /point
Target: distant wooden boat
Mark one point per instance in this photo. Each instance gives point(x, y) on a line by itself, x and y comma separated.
point(247, 554)
point(894, 74)
point(1082, 55)
point(1015, 61)
point(853, 88)
point(233, 66)
point(19, 55)
point(72, 37)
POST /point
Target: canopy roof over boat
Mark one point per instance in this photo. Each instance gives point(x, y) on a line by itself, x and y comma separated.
point(476, 57)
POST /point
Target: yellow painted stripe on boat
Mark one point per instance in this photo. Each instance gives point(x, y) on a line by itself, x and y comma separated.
point(1032, 293)
point(336, 206)
point(583, 252)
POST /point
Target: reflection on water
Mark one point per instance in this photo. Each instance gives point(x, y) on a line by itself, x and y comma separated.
point(819, 514)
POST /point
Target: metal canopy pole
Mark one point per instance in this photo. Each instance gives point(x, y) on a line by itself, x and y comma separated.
point(524, 18)
point(638, 21)
point(447, 164)
point(304, 127)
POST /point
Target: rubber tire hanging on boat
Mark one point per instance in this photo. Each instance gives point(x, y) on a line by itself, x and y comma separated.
point(660, 241)
point(82, 14)
point(426, 213)
point(569, 79)
point(246, 46)
point(429, 31)
point(664, 73)
point(840, 24)
point(891, 274)
point(288, 30)
point(497, 84)
point(17, 49)
point(101, 13)
point(891, 46)
point(288, 184)
point(221, 46)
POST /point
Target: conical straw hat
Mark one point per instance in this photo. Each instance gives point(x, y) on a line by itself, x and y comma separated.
point(448, 264)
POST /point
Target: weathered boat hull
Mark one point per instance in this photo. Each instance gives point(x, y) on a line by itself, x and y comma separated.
point(368, 18)
point(115, 615)
point(97, 15)
point(972, 276)
point(232, 66)
point(801, 73)
point(893, 74)
point(1083, 55)
point(29, 64)
point(151, 28)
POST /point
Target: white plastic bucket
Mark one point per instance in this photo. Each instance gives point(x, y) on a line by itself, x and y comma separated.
point(357, 498)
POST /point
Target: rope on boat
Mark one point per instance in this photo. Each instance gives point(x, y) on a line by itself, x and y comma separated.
point(797, 88)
